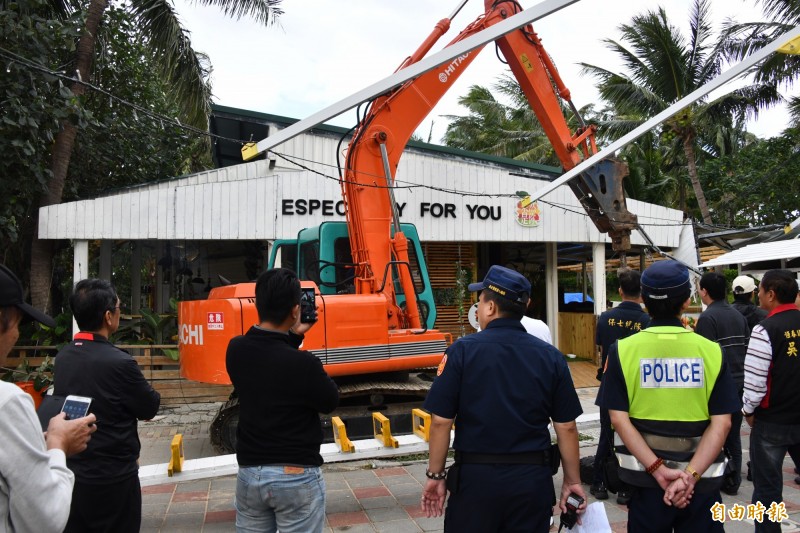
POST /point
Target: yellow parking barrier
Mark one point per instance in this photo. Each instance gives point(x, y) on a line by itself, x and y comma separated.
point(340, 436)
point(382, 431)
point(176, 453)
point(421, 424)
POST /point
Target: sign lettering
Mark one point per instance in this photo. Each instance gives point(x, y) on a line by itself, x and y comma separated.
point(671, 373)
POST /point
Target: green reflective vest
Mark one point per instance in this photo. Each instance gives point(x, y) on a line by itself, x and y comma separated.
point(669, 373)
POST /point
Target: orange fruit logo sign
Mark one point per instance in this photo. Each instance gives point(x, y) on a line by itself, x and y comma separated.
point(527, 211)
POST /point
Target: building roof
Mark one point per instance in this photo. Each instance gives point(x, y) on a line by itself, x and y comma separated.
point(761, 257)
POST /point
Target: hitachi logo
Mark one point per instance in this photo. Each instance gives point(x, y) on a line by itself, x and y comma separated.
point(191, 334)
point(451, 68)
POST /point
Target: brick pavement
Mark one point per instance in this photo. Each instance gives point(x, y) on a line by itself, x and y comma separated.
point(360, 498)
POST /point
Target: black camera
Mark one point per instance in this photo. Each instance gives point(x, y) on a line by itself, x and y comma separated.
point(570, 518)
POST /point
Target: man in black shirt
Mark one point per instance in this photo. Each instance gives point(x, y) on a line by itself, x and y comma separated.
point(727, 327)
point(617, 323)
point(107, 495)
point(743, 289)
point(281, 392)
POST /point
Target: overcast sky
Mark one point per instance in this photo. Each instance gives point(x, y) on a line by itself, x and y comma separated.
point(326, 50)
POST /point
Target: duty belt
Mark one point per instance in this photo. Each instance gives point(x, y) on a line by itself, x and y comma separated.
point(667, 444)
point(629, 462)
point(525, 458)
point(678, 445)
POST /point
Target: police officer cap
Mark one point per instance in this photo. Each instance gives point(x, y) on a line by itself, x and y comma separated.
point(665, 279)
point(743, 285)
point(505, 282)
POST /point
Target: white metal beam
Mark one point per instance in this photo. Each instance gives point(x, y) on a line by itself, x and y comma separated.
point(412, 71)
point(686, 101)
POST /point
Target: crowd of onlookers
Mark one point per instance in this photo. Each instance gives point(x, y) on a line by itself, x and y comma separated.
point(672, 404)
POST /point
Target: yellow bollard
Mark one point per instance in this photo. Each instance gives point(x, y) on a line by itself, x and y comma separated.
point(382, 431)
point(340, 436)
point(176, 455)
point(421, 424)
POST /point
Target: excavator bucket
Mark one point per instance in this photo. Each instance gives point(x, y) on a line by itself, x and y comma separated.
point(602, 194)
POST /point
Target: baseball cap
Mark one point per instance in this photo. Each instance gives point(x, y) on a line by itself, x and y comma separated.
point(505, 282)
point(665, 279)
point(11, 295)
point(743, 285)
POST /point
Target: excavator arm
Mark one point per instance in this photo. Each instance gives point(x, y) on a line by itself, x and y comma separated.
point(381, 136)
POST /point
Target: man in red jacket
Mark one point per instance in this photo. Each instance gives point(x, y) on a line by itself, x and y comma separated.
point(771, 403)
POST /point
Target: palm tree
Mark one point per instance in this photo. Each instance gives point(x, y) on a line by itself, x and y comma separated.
point(662, 67)
point(507, 130)
point(181, 67)
point(742, 40)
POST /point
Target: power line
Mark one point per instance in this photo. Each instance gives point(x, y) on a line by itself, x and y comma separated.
point(398, 184)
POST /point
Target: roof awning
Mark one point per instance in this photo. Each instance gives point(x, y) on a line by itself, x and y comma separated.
point(762, 257)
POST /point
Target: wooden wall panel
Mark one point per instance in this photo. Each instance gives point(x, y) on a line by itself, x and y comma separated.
point(576, 334)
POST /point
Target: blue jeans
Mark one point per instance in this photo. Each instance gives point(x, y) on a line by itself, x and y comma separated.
point(269, 498)
point(769, 443)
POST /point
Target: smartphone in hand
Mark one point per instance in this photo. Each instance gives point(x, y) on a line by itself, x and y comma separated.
point(308, 306)
point(76, 406)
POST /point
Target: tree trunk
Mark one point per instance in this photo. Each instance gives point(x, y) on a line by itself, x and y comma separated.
point(688, 149)
point(42, 251)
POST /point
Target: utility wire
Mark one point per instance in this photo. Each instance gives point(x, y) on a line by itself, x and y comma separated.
point(398, 184)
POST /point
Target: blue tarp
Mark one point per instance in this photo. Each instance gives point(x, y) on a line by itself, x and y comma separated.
point(575, 297)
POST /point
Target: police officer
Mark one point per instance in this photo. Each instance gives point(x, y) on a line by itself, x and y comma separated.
point(502, 386)
point(670, 396)
point(617, 323)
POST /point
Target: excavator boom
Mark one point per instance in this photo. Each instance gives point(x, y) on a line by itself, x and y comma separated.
point(381, 136)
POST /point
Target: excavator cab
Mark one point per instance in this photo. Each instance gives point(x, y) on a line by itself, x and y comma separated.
point(322, 254)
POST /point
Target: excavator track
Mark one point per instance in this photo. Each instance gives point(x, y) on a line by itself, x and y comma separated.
point(378, 395)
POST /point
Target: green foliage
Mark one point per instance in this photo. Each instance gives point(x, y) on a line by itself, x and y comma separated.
point(152, 328)
point(58, 336)
point(757, 185)
point(510, 129)
point(42, 376)
point(116, 146)
point(34, 105)
point(662, 65)
point(124, 147)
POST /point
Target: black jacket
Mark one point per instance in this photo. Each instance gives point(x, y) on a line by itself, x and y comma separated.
point(92, 366)
point(751, 312)
point(727, 327)
point(281, 392)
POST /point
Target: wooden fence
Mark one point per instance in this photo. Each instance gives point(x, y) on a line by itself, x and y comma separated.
point(161, 371)
point(576, 334)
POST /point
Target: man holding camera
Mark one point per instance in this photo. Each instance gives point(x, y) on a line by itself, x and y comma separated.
point(670, 396)
point(282, 390)
point(504, 386)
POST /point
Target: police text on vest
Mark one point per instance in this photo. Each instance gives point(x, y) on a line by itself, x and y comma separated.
point(671, 373)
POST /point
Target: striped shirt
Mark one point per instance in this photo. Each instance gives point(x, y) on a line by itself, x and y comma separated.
point(756, 368)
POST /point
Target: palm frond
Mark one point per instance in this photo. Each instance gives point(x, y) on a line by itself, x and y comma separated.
point(265, 12)
point(186, 70)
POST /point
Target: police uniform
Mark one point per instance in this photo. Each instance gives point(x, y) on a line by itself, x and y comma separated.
point(502, 386)
point(617, 323)
point(670, 381)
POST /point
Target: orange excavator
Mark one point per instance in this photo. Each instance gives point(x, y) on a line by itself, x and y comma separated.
point(376, 325)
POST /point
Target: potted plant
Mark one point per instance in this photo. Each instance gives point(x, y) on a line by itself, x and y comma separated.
point(33, 380)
